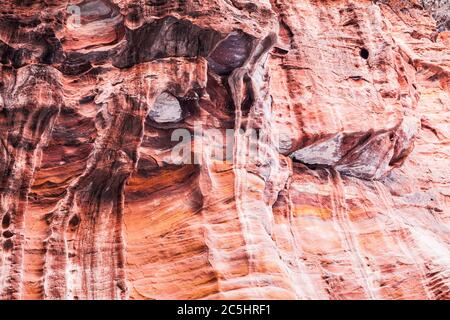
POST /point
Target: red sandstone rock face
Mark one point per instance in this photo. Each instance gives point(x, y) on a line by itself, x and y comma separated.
point(346, 102)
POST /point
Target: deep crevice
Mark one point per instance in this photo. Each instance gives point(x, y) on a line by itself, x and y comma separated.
point(364, 53)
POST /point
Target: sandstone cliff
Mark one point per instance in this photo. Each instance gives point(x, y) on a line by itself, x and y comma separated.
point(346, 102)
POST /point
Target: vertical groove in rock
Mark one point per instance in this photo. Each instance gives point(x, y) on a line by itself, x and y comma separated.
point(84, 249)
point(347, 238)
point(32, 100)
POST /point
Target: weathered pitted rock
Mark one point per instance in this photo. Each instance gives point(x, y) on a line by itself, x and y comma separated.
point(336, 183)
point(31, 100)
point(440, 9)
point(167, 37)
point(368, 155)
point(92, 24)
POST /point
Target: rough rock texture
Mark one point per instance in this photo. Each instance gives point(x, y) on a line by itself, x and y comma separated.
point(347, 196)
point(440, 10)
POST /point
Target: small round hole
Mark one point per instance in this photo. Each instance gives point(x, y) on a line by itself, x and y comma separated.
point(6, 221)
point(7, 234)
point(8, 244)
point(74, 221)
point(364, 53)
point(391, 137)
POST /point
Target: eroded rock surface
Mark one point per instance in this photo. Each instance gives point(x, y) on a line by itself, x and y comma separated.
point(336, 184)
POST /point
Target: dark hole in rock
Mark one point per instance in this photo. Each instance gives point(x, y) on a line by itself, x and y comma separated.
point(74, 221)
point(8, 234)
point(222, 105)
point(281, 51)
point(166, 37)
point(251, 7)
point(6, 221)
point(8, 244)
point(134, 13)
point(249, 95)
point(74, 67)
point(48, 218)
point(391, 136)
point(230, 53)
point(158, 2)
point(19, 57)
point(87, 99)
point(190, 104)
point(23, 3)
point(434, 77)
point(364, 53)
point(121, 285)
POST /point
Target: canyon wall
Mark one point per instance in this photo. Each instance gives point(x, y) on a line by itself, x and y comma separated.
point(224, 149)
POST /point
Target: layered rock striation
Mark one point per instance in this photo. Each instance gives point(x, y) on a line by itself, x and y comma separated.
point(227, 149)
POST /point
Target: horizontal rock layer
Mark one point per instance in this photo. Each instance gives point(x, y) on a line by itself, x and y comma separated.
point(336, 180)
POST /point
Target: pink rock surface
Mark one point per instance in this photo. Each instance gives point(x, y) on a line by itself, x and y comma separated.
point(347, 104)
